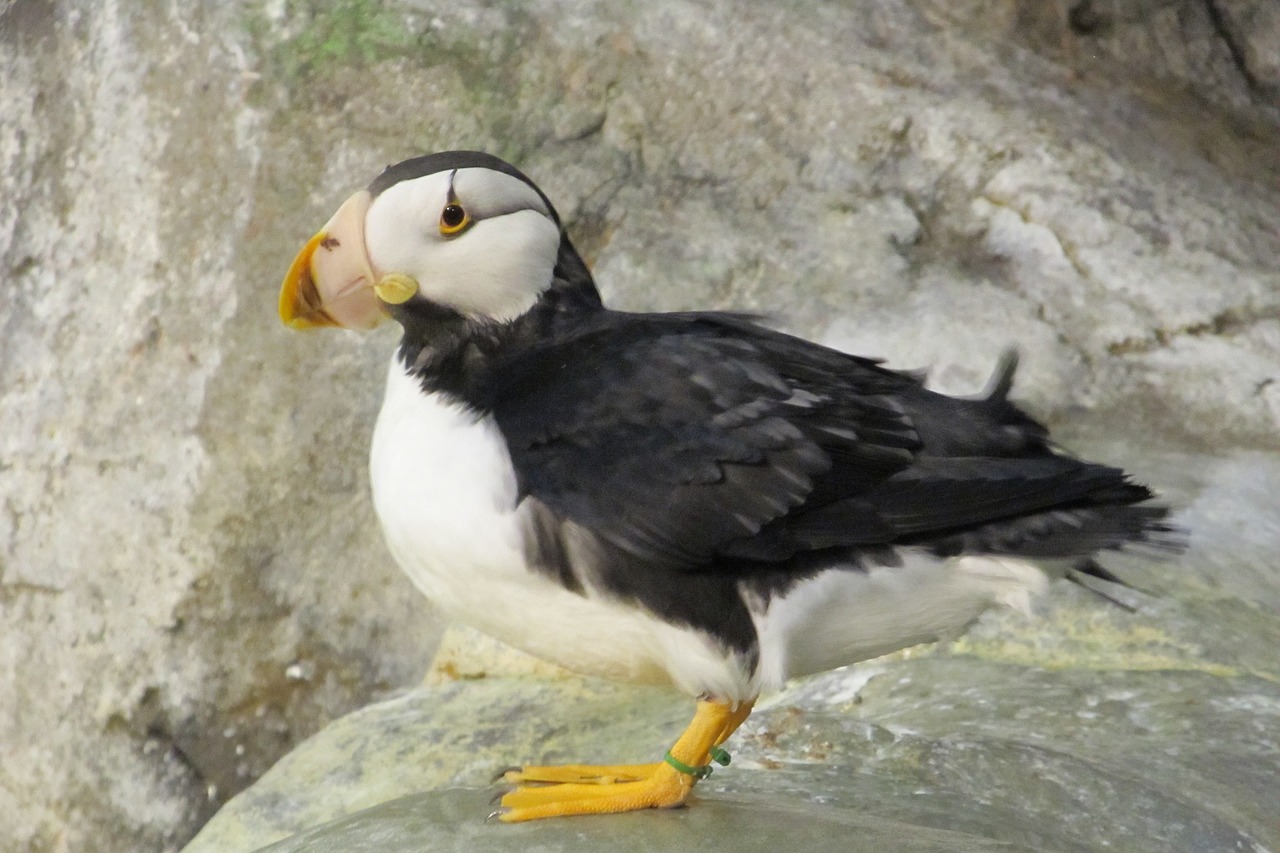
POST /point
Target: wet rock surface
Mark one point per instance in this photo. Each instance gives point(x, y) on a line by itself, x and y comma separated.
point(191, 579)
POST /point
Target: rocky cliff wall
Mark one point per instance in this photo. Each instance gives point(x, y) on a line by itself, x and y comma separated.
point(190, 576)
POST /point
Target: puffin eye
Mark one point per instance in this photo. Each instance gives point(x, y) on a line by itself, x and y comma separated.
point(453, 219)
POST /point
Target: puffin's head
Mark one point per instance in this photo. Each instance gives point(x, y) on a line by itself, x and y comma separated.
point(460, 229)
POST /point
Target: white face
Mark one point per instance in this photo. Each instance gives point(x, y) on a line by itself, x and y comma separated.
point(494, 266)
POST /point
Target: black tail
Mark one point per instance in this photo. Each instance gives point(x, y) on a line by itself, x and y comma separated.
point(1115, 519)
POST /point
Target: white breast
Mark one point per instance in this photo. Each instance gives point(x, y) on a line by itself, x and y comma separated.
point(445, 492)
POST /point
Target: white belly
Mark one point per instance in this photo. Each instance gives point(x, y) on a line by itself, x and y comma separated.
point(842, 616)
point(445, 493)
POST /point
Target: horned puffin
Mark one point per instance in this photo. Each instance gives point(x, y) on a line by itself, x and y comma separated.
point(686, 497)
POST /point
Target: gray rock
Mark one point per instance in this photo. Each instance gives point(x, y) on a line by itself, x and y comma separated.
point(162, 458)
point(1021, 733)
point(1251, 30)
point(191, 580)
point(446, 821)
point(435, 738)
point(1090, 727)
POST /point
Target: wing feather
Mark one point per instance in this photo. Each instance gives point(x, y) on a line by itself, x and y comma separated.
point(698, 442)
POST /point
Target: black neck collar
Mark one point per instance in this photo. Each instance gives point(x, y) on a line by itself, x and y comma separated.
point(450, 352)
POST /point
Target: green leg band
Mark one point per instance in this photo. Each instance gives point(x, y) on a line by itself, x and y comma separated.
point(701, 772)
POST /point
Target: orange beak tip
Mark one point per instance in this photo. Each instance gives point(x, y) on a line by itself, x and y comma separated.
point(299, 304)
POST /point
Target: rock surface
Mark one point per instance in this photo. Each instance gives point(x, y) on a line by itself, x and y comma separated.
point(1088, 727)
point(191, 581)
point(932, 753)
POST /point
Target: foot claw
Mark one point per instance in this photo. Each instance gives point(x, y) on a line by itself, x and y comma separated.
point(501, 774)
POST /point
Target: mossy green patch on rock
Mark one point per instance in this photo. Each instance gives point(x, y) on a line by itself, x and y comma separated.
point(318, 37)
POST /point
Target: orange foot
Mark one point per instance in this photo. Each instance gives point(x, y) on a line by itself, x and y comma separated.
point(576, 789)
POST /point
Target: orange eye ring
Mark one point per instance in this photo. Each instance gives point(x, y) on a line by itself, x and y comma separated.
point(454, 219)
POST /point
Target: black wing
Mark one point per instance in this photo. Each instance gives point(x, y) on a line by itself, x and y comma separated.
point(702, 441)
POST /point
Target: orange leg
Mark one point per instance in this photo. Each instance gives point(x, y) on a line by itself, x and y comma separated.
point(606, 789)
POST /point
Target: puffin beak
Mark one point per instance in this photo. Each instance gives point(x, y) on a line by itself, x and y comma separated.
point(330, 282)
